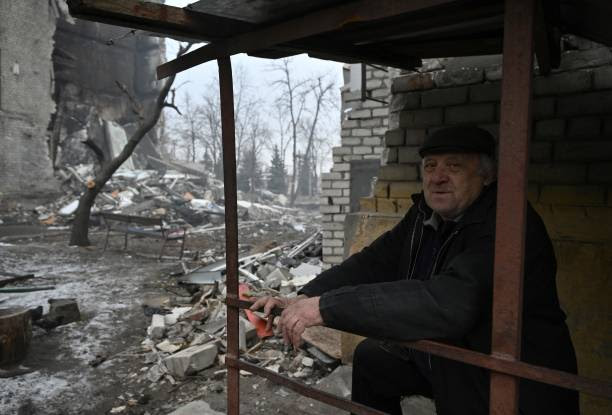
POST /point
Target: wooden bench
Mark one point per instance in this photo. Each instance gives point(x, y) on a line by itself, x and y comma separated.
point(142, 226)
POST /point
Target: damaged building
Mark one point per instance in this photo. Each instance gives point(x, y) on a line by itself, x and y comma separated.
point(60, 103)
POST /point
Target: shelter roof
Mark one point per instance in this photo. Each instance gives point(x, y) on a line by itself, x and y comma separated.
point(397, 33)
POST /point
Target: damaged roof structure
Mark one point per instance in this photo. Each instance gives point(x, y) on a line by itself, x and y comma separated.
point(399, 34)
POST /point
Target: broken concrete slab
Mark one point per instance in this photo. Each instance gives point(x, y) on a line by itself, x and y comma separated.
point(201, 338)
point(202, 277)
point(191, 360)
point(158, 327)
point(247, 333)
point(156, 372)
point(305, 270)
point(180, 329)
point(276, 278)
point(69, 209)
point(172, 318)
point(195, 408)
point(196, 313)
point(304, 273)
point(168, 347)
point(307, 361)
point(63, 310)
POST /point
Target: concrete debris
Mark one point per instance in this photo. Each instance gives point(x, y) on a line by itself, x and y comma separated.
point(247, 333)
point(201, 338)
point(168, 347)
point(307, 361)
point(156, 372)
point(196, 313)
point(191, 360)
point(68, 209)
point(338, 382)
point(172, 318)
point(181, 195)
point(306, 270)
point(195, 408)
point(158, 327)
point(184, 340)
point(64, 310)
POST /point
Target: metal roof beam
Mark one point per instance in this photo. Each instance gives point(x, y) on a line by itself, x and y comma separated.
point(158, 18)
point(311, 24)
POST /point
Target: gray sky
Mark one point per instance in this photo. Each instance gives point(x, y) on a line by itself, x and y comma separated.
point(257, 72)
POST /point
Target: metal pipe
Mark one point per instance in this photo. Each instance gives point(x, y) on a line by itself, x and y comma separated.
point(304, 390)
point(515, 125)
point(231, 228)
point(512, 367)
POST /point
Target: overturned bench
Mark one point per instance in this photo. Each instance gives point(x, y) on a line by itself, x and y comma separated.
point(144, 227)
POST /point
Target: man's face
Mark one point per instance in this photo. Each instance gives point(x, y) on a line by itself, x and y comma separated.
point(451, 182)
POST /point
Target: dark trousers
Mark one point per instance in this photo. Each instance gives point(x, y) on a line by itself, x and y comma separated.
point(382, 378)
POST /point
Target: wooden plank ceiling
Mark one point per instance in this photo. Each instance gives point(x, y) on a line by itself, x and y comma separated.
point(396, 33)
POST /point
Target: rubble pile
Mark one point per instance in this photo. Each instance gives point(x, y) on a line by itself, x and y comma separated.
point(180, 197)
point(187, 333)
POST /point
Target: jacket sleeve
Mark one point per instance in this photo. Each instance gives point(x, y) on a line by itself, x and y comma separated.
point(376, 263)
point(445, 307)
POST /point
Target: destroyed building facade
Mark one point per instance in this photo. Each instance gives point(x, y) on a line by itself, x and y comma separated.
point(58, 91)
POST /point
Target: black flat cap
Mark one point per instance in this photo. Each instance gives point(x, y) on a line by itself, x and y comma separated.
point(459, 139)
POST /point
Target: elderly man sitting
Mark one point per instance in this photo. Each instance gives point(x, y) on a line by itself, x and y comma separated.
point(430, 277)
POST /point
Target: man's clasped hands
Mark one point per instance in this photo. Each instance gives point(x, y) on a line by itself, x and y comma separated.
point(298, 314)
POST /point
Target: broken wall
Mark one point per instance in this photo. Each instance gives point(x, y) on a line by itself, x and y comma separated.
point(90, 60)
point(58, 89)
point(363, 127)
point(26, 103)
point(570, 172)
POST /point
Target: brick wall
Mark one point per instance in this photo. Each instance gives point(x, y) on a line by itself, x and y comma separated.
point(363, 128)
point(570, 173)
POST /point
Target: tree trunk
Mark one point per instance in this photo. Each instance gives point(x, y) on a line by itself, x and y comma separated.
point(80, 227)
point(16, 329)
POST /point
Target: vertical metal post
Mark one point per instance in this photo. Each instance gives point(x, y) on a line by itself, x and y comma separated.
point(515, 126)
point(231, 228)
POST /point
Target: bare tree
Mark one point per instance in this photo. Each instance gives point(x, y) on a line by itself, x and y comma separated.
point(80, 227)
point(293, 100)
point(190, 126)
point(320, 90)
point(211, 117)
point(247, 118)
point(282, 131)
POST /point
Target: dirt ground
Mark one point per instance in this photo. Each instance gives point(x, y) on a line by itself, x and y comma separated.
point(110, 288)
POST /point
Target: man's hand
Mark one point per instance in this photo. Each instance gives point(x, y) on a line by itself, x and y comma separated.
point(268, 303)
point(297, 317)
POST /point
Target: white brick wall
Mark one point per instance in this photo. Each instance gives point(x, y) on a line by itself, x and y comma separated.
point(362, 134)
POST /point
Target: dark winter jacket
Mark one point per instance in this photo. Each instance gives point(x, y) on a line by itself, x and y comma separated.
point(373, 293)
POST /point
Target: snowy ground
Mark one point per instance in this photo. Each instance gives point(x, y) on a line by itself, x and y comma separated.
point(109, 289)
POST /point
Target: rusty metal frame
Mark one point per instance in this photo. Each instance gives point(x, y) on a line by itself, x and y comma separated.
point(515, 125)
point(298, 28)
